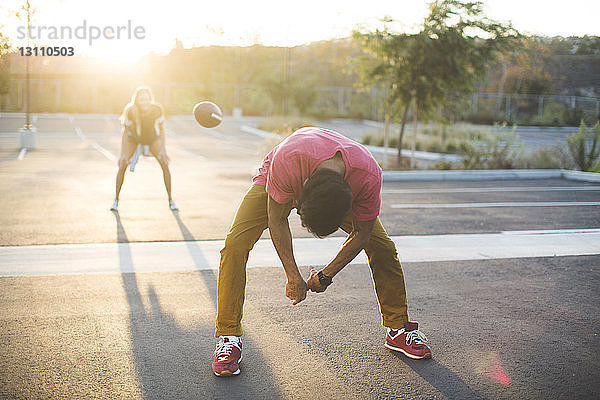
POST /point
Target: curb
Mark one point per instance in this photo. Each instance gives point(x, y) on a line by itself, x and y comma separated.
point(419, 155)
point(261, 133)
point(472, 175)
point(580, 176)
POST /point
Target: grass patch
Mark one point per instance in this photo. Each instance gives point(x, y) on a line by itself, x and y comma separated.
point(447, 140)
point(482, 150)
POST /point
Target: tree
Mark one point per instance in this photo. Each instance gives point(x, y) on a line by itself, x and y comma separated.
point(304, 95)
point(453, 49)
point(278, 91)
point(525, 71)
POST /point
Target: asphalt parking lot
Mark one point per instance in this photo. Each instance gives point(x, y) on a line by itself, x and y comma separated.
point(424, 208)
point(501, 326)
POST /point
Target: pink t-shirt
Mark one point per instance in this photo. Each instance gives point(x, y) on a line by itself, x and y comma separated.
point(287, 167)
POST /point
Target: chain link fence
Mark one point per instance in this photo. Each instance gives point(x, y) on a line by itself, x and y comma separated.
point(110, 96)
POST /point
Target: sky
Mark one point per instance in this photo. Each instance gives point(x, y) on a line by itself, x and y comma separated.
point(269, 22)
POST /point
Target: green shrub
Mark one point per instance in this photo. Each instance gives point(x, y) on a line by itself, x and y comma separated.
point(572, 116)
point(257, 102)
point(367, 139)
point(304, 96)
point(584, 153)
point(443, 165)
point(378, 140)
point(501, 151)
point(546, 158)
point(433, 146)
point(473, 157)
point(452, 147)
point(504, 150)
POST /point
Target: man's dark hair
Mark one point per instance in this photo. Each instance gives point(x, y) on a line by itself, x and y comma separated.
point(324, 202)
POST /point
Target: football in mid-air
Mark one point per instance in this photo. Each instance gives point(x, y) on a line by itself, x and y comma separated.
point(208, 114)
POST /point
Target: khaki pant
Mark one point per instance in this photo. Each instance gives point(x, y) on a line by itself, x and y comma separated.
point(250, 222)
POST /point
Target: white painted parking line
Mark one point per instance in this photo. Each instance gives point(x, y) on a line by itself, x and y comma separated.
point(552, 231)
point(80, 133)
point(22, 154)
point(261, 133)
point(202, 255)
point(103, 151)
point(493, 189)
point(503, 204)
point(94, 144)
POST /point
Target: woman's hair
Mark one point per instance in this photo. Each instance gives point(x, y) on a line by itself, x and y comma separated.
point(138, 92)
point(324, 202)
point(134, 98)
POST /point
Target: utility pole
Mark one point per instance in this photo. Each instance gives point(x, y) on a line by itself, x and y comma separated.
point(27, 80)
point(27, 134)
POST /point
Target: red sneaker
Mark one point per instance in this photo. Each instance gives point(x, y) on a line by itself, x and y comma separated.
point(408, 340)
point(228, 356)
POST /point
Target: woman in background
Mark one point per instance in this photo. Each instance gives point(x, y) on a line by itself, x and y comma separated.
point(143, 123)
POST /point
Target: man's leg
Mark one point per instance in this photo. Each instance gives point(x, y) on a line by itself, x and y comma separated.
point(249, 223)
point(387, 275)
point(402, 335)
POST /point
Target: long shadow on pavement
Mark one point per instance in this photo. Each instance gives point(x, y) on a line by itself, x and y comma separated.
point(442, 378)
point(174, 363)
point(197, 256)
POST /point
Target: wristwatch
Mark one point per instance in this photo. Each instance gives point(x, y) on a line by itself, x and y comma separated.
point(324, 280)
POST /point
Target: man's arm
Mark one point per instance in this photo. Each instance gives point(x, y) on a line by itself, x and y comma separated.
point(354, 244)
point(281, 236)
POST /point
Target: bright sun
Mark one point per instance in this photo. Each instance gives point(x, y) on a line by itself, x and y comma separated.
point(269, 22)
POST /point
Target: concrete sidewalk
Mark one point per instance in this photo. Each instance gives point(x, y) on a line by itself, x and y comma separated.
point(204, 255)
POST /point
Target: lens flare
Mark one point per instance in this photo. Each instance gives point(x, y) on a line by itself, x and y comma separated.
point(491, 368)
